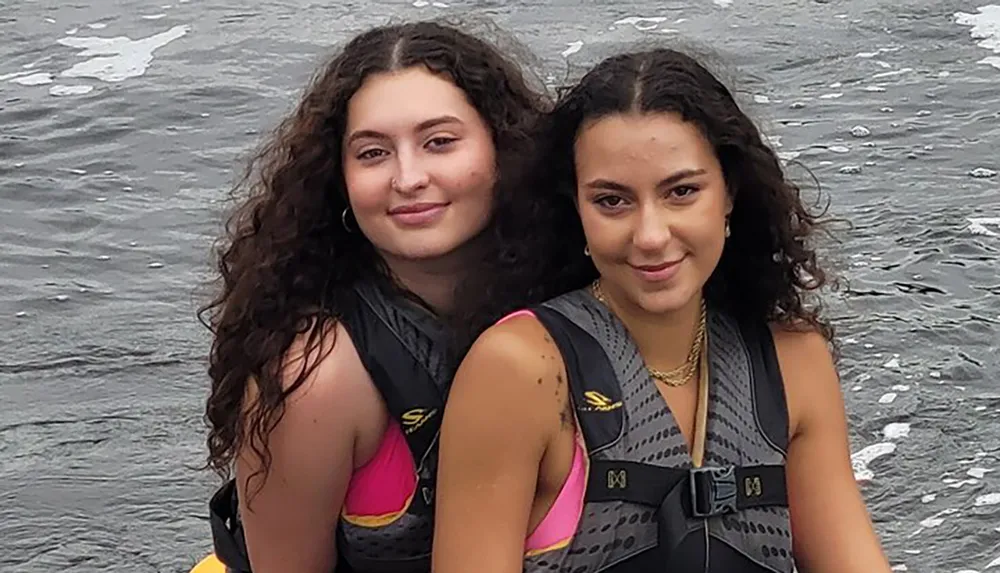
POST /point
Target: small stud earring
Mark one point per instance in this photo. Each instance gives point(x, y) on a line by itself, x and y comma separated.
point(728, 231)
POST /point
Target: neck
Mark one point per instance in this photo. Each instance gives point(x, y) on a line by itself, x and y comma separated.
point(433, 280)
point(664, 339)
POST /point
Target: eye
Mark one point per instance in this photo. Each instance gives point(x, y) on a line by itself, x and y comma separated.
point(370, 154)
point(440, 142)
point(610, 201)
point(684, 191)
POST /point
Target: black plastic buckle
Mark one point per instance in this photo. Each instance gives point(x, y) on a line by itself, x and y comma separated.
point(713, 491)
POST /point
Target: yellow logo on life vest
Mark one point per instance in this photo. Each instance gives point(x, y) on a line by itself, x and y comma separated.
point(599, 402)
point(752, 486)
point(414, 419)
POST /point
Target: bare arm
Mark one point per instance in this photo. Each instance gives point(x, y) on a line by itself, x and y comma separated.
point(831, 529)
point(503, 411)
point(291, 520)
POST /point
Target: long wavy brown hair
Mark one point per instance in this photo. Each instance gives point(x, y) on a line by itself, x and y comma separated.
point(768, 270)
point(286, 258)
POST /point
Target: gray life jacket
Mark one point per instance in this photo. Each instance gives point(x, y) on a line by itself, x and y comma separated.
point(646, 507)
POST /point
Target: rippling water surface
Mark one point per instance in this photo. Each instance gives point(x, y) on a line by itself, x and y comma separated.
point(121, 124)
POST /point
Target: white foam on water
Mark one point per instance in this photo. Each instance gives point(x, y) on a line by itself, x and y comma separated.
point(642, 23)
point(50, 20)
point(887, 398)
point(987, 499)
point(761, 99)
point(70, 90)
point(900, 388)
point(963, 483)
point(5, 77)
point(991, 61)
point(97, 26)
point(875, 89)
point(983, 173)
point(896, 431)
point(439, 4)
point(832, 96)
point(37, 79)
point(994, 563)
point(928, 498)
point(985, 26)
point(839, 149)
point(154, 16)
point(119, 58)
point(931, 522)
point(978, 473)
point(893, 73)
point(981, 226)
point(723, 3)
point(893, 363)
point(865, 456)
point(572, 48)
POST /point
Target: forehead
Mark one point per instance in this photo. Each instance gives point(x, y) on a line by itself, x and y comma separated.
point(627, 142)
point(398, 100)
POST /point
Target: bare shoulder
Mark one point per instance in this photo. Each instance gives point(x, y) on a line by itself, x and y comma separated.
point(332, 396)
point(801, 347)
point(329, 354)
point(812, 385)
point(520, 348)
point(513, 379)
point(313, 445)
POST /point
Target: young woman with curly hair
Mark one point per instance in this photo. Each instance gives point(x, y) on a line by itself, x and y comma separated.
point(330, 359)
point(680, 409)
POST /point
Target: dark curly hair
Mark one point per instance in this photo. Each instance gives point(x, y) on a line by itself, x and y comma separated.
point(768, 267)
point(286, 260)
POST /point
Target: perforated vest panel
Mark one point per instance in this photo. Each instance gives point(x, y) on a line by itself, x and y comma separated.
point(747, 425)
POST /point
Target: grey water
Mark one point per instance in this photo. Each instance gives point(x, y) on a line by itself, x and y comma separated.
point(123, 123)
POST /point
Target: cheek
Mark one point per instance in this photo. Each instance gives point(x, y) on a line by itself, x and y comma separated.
point(367, 190)
point(471, 178)
point(606, 237)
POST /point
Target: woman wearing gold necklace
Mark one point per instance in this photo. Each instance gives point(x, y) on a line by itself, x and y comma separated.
point(679, 409)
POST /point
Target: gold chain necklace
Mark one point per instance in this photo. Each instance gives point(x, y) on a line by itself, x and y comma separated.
point(685, 372)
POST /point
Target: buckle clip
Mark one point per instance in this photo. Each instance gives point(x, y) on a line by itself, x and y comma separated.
point(713, 491)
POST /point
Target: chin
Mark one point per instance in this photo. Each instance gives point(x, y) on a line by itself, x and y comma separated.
point(663, 301)
point(429, 247)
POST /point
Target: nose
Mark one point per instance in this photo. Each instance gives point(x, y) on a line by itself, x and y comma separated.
point(652, 232)
point(411, 173)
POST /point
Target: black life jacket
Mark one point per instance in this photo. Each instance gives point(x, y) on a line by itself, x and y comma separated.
point(404, 348)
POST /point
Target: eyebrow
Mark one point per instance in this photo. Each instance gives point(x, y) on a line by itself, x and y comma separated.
point(673, 179)
point(424, 125)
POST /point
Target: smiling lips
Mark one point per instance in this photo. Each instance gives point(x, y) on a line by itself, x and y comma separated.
point(657, 273)
point(417, 214)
